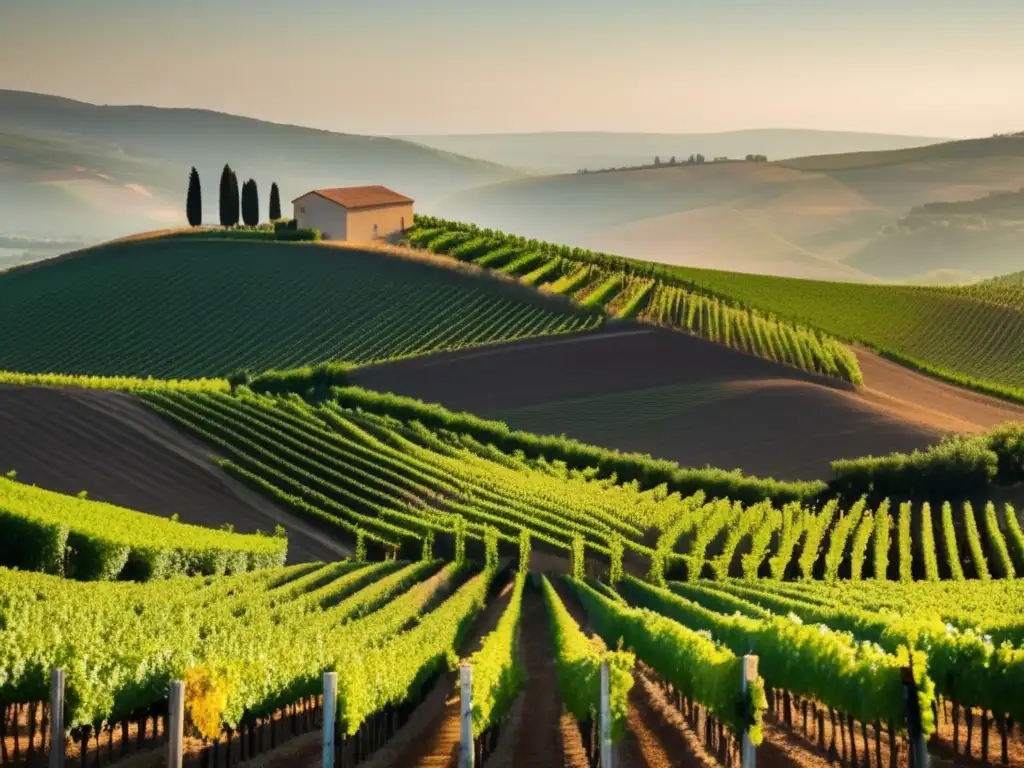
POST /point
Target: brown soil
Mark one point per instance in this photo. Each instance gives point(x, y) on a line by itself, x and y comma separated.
point(890, 384)
point(436, 743)
point(117, 450)
point(543, 736)
point(759, 416)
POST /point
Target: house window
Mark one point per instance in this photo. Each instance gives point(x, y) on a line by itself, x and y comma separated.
point(302, 209)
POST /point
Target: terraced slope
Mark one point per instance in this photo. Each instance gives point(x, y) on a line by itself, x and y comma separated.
point(177, 308)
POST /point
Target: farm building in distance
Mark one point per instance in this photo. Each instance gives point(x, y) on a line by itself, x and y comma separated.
point(354, 214)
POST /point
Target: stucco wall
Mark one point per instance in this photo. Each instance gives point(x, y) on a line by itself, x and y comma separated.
point(389, 219)
point(314, 212)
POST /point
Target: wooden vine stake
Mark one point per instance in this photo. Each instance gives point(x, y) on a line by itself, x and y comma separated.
point(56, 718)
point(466, 719)
point(606, 717)
point(748, 756)
point(176, 724)
point(918, 748)
point(330, 715)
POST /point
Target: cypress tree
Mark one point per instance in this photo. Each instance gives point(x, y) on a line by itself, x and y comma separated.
point(194, 200)
point(250, 204)
point(275, 202)
point(234, 211)
point(225, 196)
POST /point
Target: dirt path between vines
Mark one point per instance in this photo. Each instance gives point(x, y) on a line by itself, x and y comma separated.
point(431, 738)
point(889, 385)
point(538, 734)
point(119, 451)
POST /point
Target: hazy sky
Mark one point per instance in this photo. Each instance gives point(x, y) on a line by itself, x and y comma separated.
point(926, 67)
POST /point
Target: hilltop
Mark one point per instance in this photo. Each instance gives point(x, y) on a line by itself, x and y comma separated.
point(568, 151)
point(820, 217)
point(73, 169)
point(195, 306)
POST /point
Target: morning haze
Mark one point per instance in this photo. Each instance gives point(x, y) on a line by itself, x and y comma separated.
point(491, 112)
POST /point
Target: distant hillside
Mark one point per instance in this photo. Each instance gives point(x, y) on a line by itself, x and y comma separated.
point(569, 151)
point(190, 308)
point(71, 169)
point(770, 218)
point(1013, 280)
point(994, 146)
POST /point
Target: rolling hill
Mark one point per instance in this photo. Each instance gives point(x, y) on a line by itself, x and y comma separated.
point(72, 169)
point(824, 217)
point(138, 308)
point(970, 335)
point(568, 151)
point(663, 391)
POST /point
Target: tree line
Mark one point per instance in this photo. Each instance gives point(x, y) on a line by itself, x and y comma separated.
point(235, 205)
point(696, 159)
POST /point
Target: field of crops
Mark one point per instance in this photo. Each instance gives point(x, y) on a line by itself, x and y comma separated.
point(691, 585)
point(970, 335)
point(188, 309)
point(400, 487)
point(45, 531)
point(647, 293)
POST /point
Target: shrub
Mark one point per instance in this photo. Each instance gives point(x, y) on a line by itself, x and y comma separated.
point(298, 234)
point(955, 468)
point(312, 381)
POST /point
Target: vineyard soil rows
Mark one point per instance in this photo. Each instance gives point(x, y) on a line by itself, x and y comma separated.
point(119, 451)
point(638, 390)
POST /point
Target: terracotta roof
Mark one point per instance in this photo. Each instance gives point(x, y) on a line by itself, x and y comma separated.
point(360, 197)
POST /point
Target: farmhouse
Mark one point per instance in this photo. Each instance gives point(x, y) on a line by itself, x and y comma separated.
point(355, 214)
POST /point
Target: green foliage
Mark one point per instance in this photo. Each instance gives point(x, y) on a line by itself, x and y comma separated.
point(491, 548)
point(616, 549)
point(164, 312)
point(816, 530)
point(693, 663)
point(228, 217)
point(882, 539)
point(87, 540)
point(949, 539)
point(599, 280)
point(625, 467)
point(275, 202)
point(313, 382)
point(578, 563)
point(524, 550)
point(928, 550)
point(460, 540)
point(194, 200)
point(809, 661)
point(955, 468)
point(962, 664)
point(578, 668)
point(498, 672)
point(395, 671)
point(1002, 562)
point(250, 204)
point(977, 554)
point(905, 543)
point(122, 642)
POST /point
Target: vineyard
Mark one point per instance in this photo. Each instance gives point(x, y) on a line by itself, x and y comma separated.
point(527, 599)
point(858, 630)
point(45, 531)
point(968, 335)
point(397, 487)
point(627, 290)
point(188, 309)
